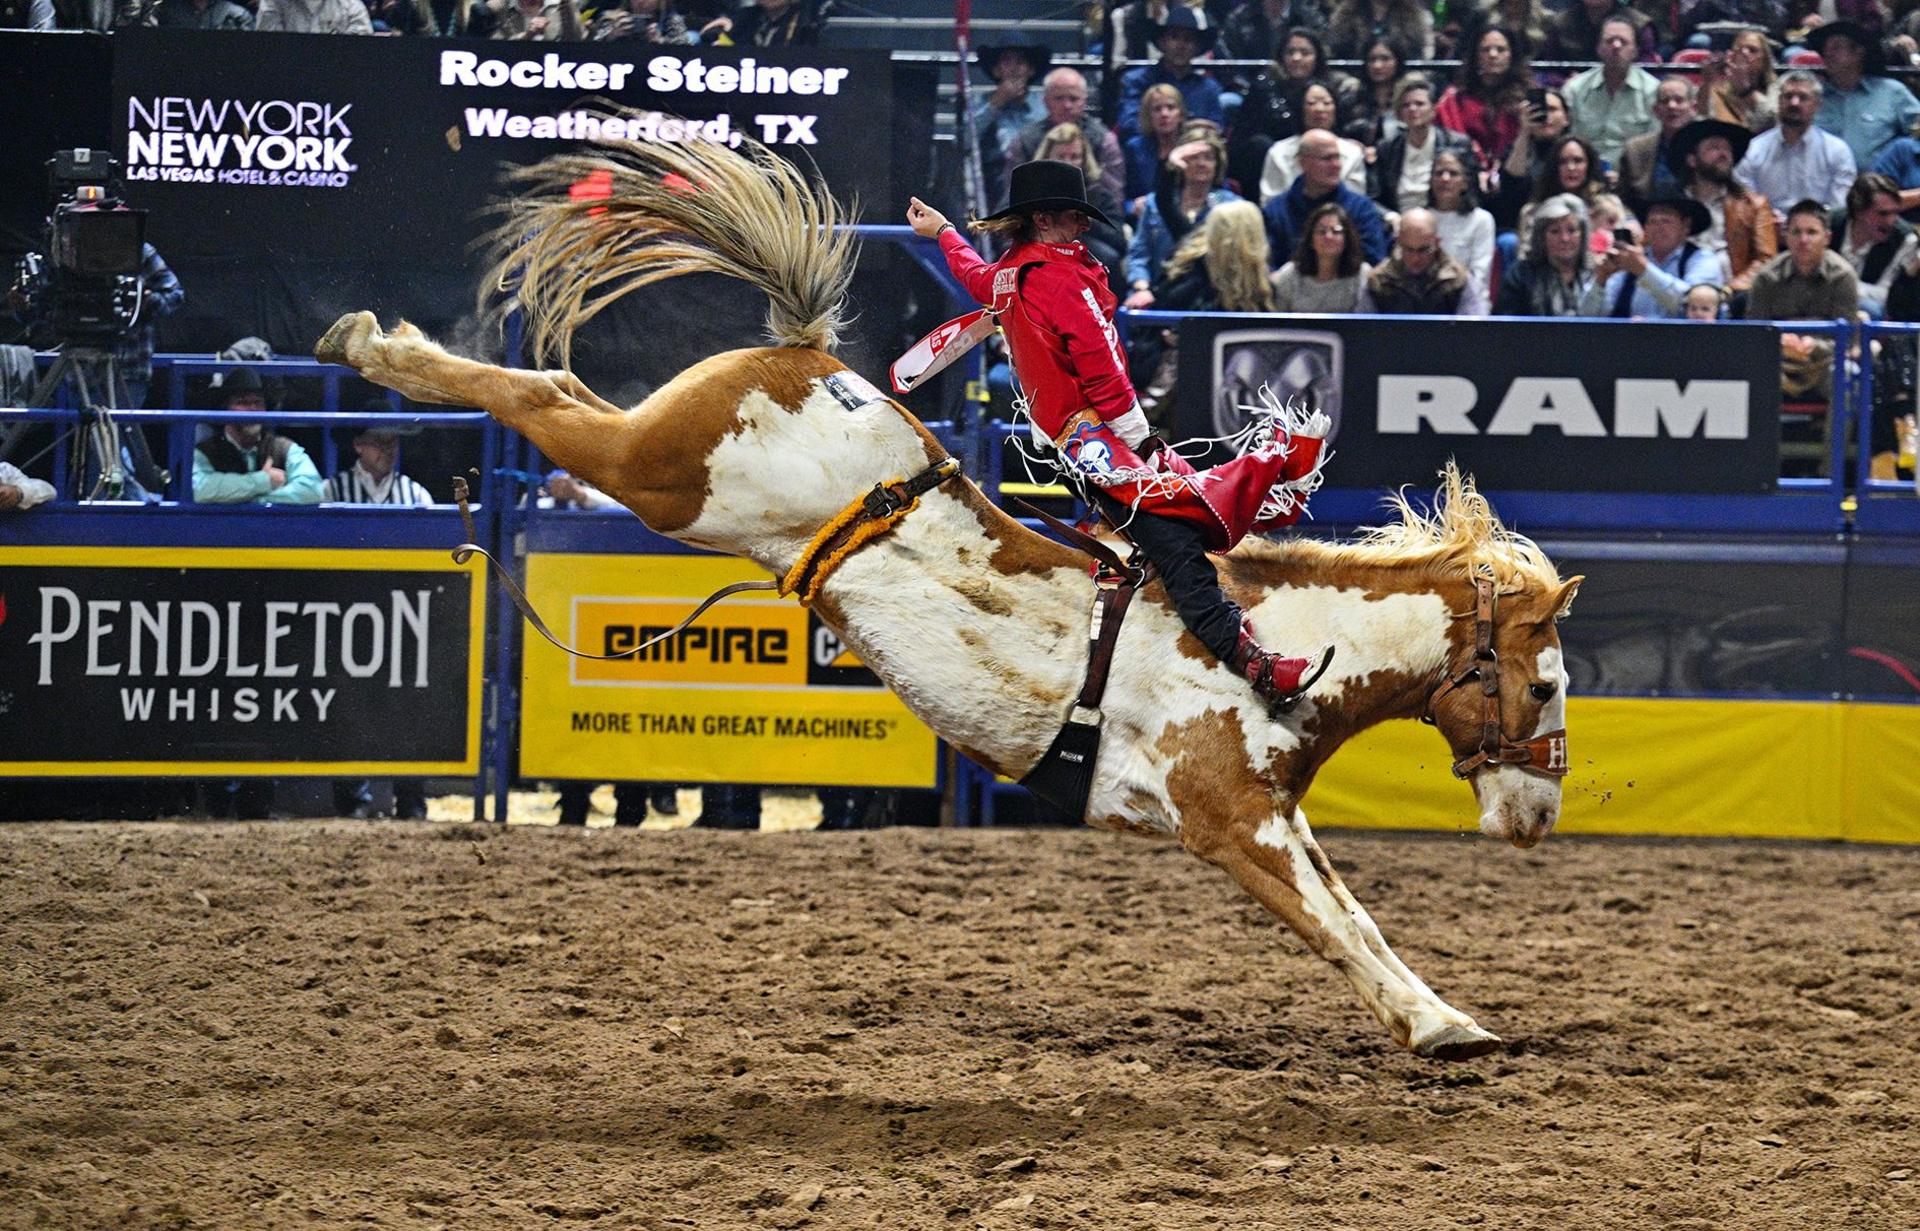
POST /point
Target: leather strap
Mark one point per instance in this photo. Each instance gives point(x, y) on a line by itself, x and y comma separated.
point(885, 504)
point(1076, 537)
point(1109, 609)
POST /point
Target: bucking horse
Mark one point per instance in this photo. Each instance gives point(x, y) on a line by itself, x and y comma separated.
point(978, 624)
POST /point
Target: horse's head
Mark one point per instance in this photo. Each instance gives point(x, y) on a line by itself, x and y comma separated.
point(1516, 774)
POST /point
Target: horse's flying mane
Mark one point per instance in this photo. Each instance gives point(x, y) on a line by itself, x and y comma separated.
point(1461, 534)
point(672, 208)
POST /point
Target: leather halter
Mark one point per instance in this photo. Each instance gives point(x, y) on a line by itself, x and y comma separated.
point(1543, 754)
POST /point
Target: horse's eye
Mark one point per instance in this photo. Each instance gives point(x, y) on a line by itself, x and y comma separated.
point(1541, 692)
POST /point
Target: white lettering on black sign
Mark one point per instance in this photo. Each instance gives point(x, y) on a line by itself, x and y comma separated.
point(1642, 409)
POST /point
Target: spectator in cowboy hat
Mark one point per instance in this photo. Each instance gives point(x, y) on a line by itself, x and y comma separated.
point(1862, 105)
point(1182, 37)
point(375, 478)
point(1016, 68)
point(1702, 157)
point(241, 462)
point(1652, 278)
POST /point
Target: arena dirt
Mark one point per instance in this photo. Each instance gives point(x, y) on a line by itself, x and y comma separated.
point(333, 1024)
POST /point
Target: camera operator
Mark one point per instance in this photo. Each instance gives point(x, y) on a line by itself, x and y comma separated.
point(242, 463)
point(129, 358)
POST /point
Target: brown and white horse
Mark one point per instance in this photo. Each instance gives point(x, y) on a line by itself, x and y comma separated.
point(976, 623)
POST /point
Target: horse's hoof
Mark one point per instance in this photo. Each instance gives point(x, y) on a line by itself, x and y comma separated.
point(1458, 1043)
point(346, 342)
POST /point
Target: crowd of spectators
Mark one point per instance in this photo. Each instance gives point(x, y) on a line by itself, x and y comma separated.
point(754, 23)
point(1577, 159)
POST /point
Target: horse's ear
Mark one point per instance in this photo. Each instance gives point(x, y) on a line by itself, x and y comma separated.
point(1562, 601)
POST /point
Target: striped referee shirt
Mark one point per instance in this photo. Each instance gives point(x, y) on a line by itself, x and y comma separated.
point(356, 486)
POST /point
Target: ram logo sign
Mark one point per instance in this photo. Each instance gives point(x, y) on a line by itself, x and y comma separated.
point(1714, 409)
point(1522, 404)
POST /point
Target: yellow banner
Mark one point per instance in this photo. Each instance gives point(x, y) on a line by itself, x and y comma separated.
point(1641, 765)
point(757, 690)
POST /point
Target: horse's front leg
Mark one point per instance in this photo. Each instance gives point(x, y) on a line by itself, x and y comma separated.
point(1277, 861)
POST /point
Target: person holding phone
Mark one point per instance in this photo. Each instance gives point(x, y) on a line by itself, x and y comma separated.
point(1636, 281)
point(1511, 186)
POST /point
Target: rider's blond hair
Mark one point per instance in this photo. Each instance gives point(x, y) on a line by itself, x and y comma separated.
point(1233, 244)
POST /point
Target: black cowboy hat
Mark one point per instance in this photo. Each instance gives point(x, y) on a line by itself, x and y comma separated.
point(1854, 32)
point(380, 404)
point(1044, 185)
point(1698, 219)
point(1688, 139)
point(1039, 57)
point(1180, 17)
point(233, 382)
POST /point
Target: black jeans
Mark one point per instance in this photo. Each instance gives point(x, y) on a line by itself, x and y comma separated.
point(1178, 551)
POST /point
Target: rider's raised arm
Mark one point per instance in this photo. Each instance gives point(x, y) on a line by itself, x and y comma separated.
point(967, 265)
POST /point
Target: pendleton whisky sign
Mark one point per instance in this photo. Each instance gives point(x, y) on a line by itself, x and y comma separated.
point(759, 690)
point(238, 661)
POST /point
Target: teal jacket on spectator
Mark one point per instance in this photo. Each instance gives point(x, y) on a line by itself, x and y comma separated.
point(213, 485)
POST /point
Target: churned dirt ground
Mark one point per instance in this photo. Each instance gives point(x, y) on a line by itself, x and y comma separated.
point(337, 1024)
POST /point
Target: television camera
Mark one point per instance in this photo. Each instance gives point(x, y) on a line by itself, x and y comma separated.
point(85, 294)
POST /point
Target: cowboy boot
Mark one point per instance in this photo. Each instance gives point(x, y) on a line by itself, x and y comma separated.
point(1281, 682)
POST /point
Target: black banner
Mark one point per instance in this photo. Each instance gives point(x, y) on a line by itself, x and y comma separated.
point(106, 668)
point(1524, 406)
point(265, 144)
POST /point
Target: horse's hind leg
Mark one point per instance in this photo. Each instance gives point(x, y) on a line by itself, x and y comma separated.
point(1277, 862)
point(554, 410)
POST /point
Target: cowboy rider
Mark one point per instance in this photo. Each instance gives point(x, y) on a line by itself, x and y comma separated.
point(1052, 300)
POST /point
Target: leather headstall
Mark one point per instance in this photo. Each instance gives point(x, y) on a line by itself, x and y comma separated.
point(1543, 754)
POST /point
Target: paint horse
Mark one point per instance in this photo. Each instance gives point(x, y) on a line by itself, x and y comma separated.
point(980, 625)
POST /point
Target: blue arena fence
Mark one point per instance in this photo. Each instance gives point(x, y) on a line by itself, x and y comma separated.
point(1847, 498)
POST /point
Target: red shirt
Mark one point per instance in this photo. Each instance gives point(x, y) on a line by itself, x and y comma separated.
point(1055, 307)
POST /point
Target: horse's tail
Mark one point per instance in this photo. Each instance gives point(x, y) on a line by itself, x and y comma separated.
point(587, 228)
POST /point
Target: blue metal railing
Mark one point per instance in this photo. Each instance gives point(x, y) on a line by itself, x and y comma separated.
point(1807, 505)
point(1881, 505)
